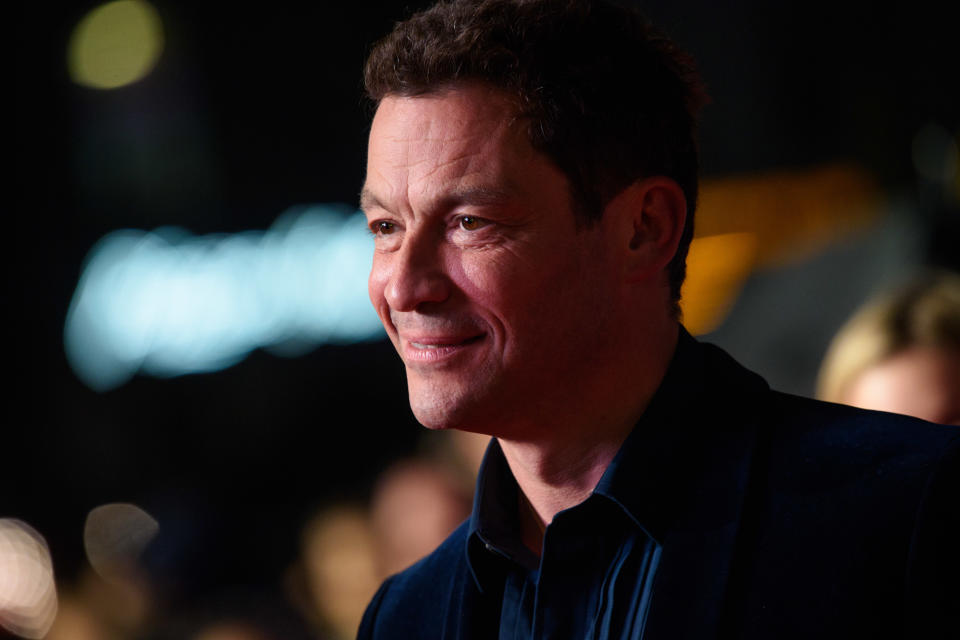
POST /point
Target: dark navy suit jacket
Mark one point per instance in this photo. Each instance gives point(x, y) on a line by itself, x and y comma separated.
point(779, 517)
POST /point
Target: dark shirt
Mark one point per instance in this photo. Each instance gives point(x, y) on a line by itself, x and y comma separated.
point(594, 577)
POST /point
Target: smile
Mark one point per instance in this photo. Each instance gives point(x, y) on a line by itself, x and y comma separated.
point(436, 349)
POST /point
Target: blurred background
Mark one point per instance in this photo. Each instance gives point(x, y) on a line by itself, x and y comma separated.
point(206, 434)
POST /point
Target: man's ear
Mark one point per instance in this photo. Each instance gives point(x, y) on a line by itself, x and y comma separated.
point(649, 216)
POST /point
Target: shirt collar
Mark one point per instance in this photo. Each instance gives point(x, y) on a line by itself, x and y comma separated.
point(642, 477)
point(647, 478)
point(494, 523)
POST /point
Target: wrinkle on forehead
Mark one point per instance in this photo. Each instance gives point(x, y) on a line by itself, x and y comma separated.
point(413, 139)
point(485, 113)
point(472, 140)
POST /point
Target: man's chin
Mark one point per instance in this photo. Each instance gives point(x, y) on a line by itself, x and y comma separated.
point(434, 418)
point(461, 400)
point(444, 412)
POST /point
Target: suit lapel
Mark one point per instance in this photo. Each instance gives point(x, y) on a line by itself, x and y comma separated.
point(699, 548)
point(689, 466)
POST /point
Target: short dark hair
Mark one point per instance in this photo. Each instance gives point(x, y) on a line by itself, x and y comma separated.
point(606, 96)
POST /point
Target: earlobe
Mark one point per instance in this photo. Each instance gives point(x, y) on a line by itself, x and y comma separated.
point(652, 212)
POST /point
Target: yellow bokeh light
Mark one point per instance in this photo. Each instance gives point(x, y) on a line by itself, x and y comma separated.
point(717, 267)
point(793, 213)
point(115, 44)
point(751, 222)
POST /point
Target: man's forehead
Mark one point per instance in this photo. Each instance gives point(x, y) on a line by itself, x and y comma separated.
point(465, 138)
point(463, 112)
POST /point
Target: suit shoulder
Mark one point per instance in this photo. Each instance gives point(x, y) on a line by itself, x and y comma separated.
point(805, 424)
point(821, 442)
point(801, 418)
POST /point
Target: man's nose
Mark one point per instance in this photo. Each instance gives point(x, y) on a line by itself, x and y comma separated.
point(418, 276)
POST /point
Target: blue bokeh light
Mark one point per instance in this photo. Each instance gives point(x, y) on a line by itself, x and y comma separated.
point(167, 303)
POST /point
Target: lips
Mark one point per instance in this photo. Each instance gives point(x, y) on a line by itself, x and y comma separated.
point(439, 343)
point(431, 349)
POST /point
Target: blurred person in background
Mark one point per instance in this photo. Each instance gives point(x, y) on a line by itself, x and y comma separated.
point(531, 185)
point(347, 549)
point(901, 353)
point(416, 505)
point(336, 572)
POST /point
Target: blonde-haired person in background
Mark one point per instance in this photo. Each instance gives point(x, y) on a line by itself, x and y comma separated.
point(901, 353)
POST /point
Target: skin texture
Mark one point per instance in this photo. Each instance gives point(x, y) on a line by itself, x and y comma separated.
point(923, 382)
point(510, 318)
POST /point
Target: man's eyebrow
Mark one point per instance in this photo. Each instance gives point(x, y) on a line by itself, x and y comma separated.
point(369, 201)
point(476, 196)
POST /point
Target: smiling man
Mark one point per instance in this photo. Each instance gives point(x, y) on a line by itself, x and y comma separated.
point(512, 319)
point(531, 184)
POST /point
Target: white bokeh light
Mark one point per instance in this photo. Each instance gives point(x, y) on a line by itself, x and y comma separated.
point(168, 303)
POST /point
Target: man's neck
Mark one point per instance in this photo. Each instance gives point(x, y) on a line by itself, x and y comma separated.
point(551, 480)
point(560, 467)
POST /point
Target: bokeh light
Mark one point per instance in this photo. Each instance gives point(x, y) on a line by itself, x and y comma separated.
point(338, 548)
point(28, 597)
point(717, 268)
point(793, 213)
point(754, 222)
point(168, 303)
point(115, 44)
point(114, 536)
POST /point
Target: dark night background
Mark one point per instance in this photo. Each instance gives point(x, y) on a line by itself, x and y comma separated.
point(255, 107)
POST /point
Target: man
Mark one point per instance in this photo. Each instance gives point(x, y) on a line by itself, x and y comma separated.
point(531, 183)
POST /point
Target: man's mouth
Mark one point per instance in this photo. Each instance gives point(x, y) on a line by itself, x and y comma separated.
point(436, 349)
point(446, 343)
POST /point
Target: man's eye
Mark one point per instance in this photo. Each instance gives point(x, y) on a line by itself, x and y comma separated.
point(384, 228)
point(471, 223)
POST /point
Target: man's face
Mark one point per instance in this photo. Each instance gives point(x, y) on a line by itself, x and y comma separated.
point(491, 295)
